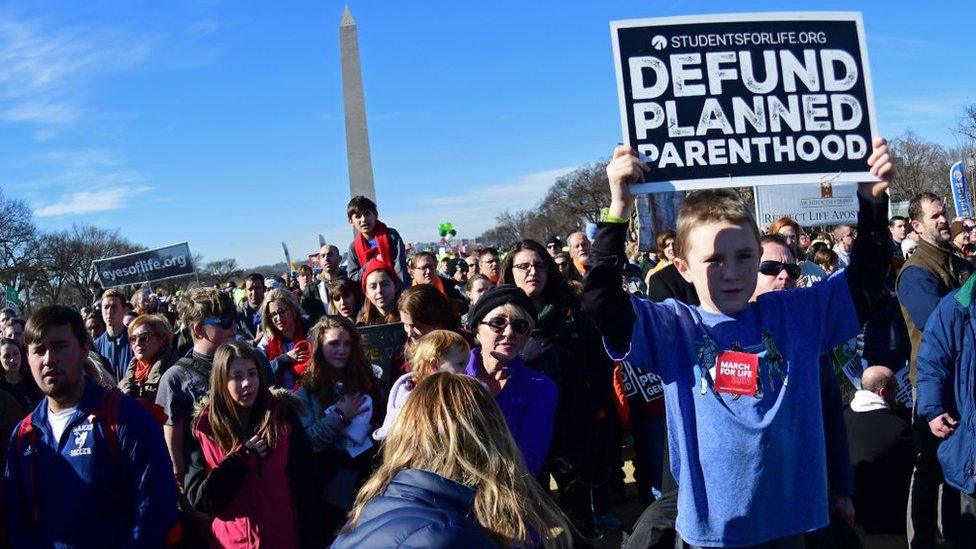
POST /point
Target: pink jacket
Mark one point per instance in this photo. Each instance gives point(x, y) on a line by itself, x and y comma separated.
point(261, 512)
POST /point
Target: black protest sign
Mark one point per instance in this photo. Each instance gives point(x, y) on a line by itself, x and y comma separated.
point(147, 266)
point(745, 100)
point(380, 344)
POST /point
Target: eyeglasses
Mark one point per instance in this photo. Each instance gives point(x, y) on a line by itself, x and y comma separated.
point(773, 268)
point(537, 267)
point(498, 324)
point(141, 339)
point(226, 322)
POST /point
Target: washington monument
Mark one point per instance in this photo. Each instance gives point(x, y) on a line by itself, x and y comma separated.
point(357, 138)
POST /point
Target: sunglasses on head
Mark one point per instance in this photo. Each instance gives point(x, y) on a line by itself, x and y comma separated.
point(498, 324)
point(773, 268)
point(225, 322)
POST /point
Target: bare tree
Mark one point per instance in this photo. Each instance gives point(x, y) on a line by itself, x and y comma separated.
point(967, 126)
point(574, 198)
point(920, 166)
point(222, 270)
point(66, 258)
point(18, 240)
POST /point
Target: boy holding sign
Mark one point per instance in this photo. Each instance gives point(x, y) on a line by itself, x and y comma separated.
point(742, 379)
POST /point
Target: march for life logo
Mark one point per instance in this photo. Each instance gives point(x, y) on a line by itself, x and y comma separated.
point(736, 373)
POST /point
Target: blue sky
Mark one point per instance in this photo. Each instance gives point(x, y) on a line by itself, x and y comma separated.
point(221, 123)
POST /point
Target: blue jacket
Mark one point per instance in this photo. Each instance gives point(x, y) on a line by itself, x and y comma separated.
point(87, 491)
point(947, 382)
point(418, 509)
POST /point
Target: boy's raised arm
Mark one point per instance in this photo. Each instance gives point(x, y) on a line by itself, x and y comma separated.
point(872, 251)
point(604, 298)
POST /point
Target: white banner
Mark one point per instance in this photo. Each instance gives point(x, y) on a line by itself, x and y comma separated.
point(810, 205)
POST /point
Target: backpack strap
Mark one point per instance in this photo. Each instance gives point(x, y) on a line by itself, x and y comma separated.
point(108, 413)
point(27, 440)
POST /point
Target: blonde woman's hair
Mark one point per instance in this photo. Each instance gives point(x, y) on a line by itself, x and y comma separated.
point(451, 426)
point(272, 296)
point(427, 352)
point(225, 415)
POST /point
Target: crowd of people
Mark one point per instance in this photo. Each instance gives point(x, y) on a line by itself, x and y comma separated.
point(778, 388)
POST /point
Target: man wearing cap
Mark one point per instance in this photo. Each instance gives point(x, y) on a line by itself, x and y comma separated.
point(553, 245)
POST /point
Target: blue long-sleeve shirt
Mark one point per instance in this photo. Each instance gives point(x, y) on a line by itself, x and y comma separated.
point(116, 350)
point(85, 494)
point(919, 293)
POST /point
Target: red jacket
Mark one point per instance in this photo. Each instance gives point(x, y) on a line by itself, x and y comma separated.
point(256, 502)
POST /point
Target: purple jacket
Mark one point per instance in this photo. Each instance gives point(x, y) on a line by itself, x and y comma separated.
point(528, 402)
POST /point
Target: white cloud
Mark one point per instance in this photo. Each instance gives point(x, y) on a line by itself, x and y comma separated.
point(87, 202)
point(530, 186)
point(475, 212)
point(41, 113)
point(45, 69)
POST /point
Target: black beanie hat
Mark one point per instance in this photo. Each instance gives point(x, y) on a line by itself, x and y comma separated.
point(497, 296)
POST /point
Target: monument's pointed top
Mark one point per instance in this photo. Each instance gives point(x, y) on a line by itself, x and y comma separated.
point(347, 20)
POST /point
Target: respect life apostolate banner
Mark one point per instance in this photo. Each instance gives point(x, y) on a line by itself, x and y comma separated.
point(746, 100)
point(809, 205)
point(960, 191)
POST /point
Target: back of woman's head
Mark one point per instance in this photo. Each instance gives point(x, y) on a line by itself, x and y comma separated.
point(452, 426)
point(427, 306)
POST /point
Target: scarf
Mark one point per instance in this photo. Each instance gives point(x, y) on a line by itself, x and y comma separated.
point(275, 349)
point(365, 253)
point(866, 401)
point(438, 283)
point(579, 267)
point(142, 371)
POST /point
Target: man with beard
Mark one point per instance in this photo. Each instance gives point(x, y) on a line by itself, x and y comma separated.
point(579, 250)
point(933, 271)
point(88, 467)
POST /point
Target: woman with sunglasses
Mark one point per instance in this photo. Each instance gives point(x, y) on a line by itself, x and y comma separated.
point(284, 324)
point(502, 322)
point(151, 339)
point(565, 346)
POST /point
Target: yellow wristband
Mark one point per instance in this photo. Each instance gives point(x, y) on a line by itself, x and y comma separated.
point(607, 218)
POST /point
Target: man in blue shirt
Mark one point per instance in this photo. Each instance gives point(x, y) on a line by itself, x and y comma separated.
point(88, 467)
point(114, 343)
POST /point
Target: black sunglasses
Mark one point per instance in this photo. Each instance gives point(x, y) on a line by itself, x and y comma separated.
point(773, 268)
point(498, 324)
